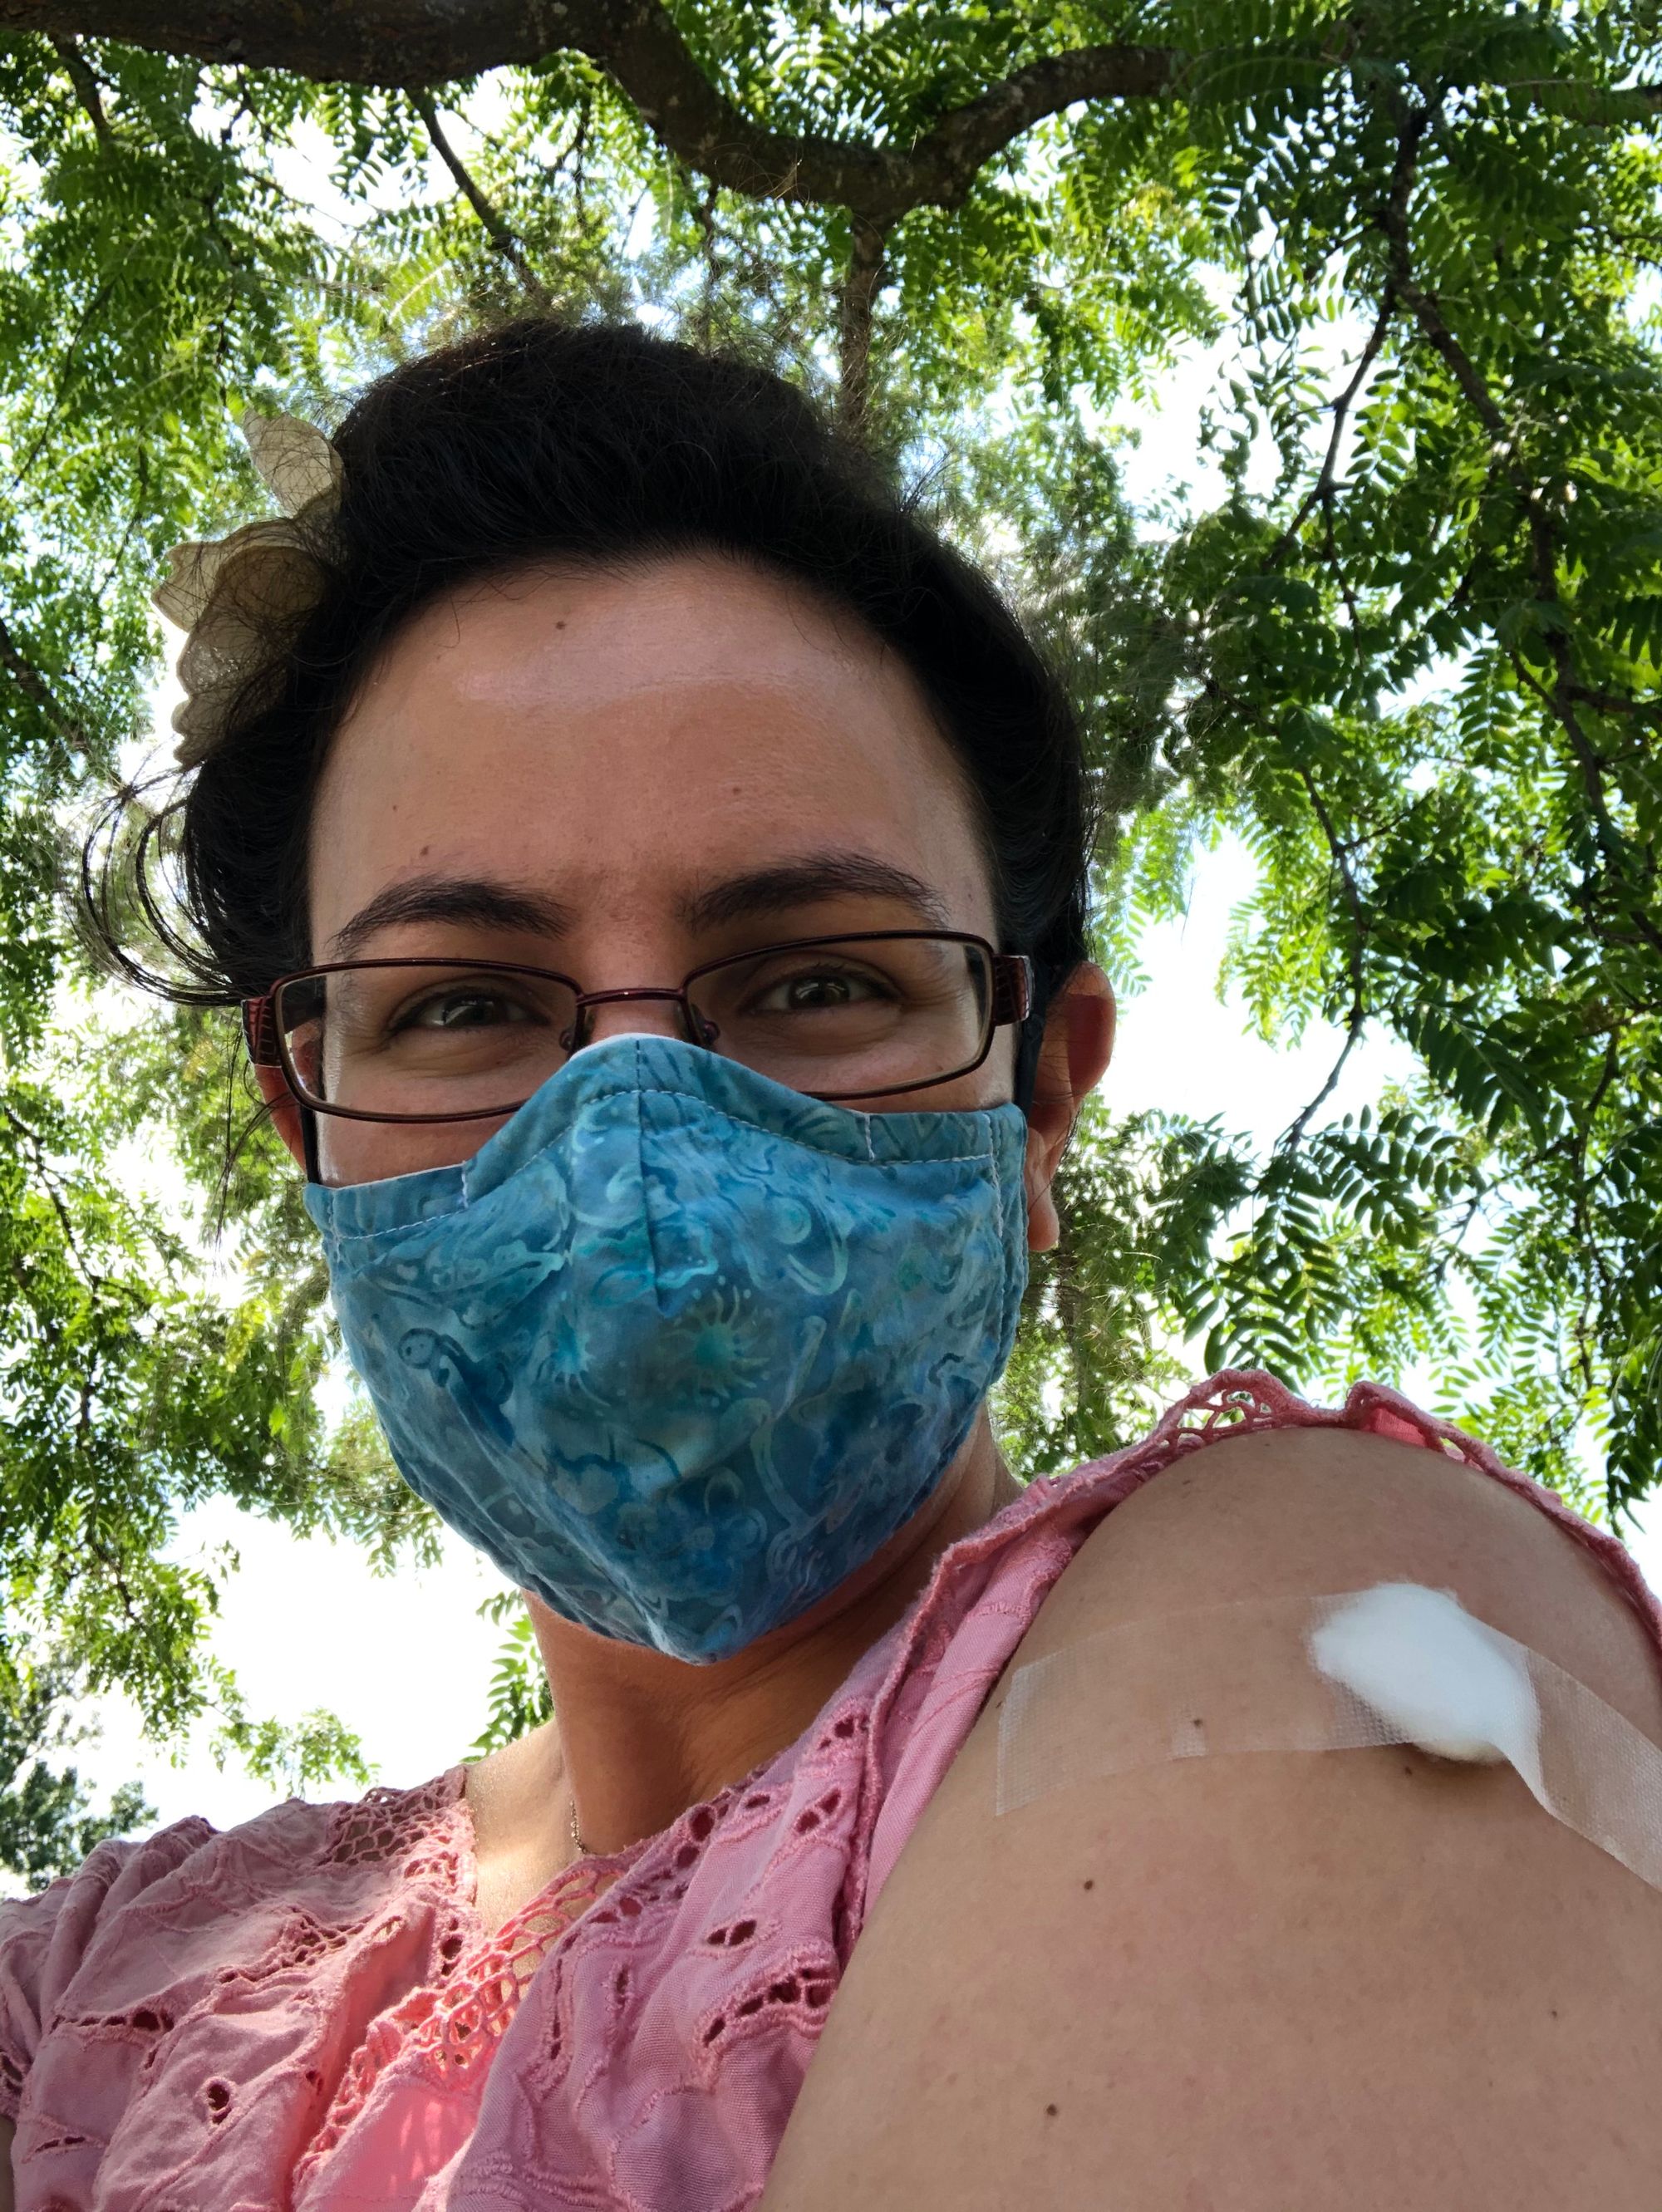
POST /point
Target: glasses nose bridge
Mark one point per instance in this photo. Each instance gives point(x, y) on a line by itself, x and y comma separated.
point(583, 1028)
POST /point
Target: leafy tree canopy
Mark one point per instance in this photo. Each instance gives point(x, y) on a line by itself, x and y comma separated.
point(47, 1826)
point(1410, 657)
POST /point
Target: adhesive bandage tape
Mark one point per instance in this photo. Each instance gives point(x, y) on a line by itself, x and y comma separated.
point(1439, 1678)
point(1398, 1663)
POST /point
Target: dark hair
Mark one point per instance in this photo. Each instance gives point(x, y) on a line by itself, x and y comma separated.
point(591, 442)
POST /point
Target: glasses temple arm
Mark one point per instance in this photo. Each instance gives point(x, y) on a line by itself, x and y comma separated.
point(259, 1031)
point(1013, 987)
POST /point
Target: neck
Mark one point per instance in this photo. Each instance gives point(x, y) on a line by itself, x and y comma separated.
point(644, 1736)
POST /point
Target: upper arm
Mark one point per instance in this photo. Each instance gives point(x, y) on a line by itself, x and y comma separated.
point(1270, 1983)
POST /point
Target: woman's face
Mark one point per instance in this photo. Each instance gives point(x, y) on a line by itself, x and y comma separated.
point(622, 776)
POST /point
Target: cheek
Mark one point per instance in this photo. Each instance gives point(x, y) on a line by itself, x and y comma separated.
point(992, 1084)
point(373, 1151)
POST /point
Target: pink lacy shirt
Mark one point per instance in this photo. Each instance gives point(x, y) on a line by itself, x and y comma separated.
point(307, 2013)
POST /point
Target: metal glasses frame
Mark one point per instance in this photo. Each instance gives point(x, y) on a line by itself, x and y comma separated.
point(1010, 999)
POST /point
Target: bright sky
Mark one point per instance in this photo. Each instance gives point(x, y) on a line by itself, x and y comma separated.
point(405, 1660)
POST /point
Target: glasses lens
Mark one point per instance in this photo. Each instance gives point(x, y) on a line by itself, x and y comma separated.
point(398, 1037)
point(855, 1017)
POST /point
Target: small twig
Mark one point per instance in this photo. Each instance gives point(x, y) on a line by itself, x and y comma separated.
point(580, 153)
point(1610, 702)
point(1561, 696)
point(137, 1618)
point(50, 1183)
point(1330, 554)
point(1326, 483)
point(490, 217)
point(704, 216)
point(1356, 1018)
point(38, 692)
point(82, 76)
point(133, 520)
point(1558, 698)
point(244, 106)
point(861, 284)
point(67, 367)
point(1293, 1135)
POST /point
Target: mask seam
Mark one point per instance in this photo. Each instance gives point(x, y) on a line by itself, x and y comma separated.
point(639, 1091)
point(1003, 1241)
point(661, 1091)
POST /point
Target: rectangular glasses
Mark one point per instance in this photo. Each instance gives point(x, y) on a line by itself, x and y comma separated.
point(864, 1016)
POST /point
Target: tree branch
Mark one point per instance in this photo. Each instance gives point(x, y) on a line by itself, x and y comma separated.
point(1423, 306)
point(1561, 696)
point(860, 281)
point(80, 73)
point(1356, 1018)
point(35, 688)
point(490, 217)
point(30, 1140)
point(411, 43)
point(55, 1184)
point(1327, 481)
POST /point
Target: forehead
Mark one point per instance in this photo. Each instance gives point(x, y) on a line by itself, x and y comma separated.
point(625, 737)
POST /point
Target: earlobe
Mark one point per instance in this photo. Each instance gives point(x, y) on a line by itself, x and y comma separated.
point(1079, 1042)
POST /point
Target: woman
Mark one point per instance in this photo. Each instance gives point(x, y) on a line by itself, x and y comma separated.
point(654, 872)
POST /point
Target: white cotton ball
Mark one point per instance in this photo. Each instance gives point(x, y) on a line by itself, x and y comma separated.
point(1420, 1660)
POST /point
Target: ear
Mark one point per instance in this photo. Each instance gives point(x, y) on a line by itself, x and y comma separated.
point(285, 1111)
point(1079, 1042)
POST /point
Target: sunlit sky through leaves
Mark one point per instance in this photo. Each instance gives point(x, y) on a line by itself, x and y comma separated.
point(403, 1660)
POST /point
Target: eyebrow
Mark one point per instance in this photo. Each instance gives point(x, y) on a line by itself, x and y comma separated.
point(468, 899)
point(806, 882)
point(484, 902)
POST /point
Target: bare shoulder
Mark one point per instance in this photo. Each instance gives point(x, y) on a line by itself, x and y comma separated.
point(1296, 1512)
point(1277, 1983)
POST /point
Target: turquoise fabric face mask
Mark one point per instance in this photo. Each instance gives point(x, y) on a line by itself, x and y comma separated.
point(679, 1348)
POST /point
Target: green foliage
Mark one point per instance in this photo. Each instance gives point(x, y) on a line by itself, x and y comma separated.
point(134, 1389)
point(1410, 656)
point(1089, 1372)
point(47, 1826)
point(518, 1699)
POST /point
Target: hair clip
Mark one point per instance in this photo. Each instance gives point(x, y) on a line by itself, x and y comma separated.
point(229, 593)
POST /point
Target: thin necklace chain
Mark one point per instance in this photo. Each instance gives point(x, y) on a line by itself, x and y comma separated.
point(578, 1844)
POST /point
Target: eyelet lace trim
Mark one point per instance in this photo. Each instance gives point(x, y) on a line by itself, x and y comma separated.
point(451, 2027)
point(626, 1997)
point(382, 1824)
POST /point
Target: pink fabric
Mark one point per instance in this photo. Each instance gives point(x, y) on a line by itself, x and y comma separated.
point(307, 2013)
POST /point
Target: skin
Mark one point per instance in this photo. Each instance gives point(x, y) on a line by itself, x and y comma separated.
point(1273, 1984)
point(617, 743)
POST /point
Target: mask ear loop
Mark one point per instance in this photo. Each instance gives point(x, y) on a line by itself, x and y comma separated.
point(1031, 1039)
point(259, 1037)
point(309, 1143)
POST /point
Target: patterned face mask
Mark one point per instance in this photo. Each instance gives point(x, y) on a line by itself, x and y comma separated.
point(679, 1348)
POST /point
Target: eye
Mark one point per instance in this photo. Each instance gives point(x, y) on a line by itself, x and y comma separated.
point(472, 1008)
point(819, 990)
